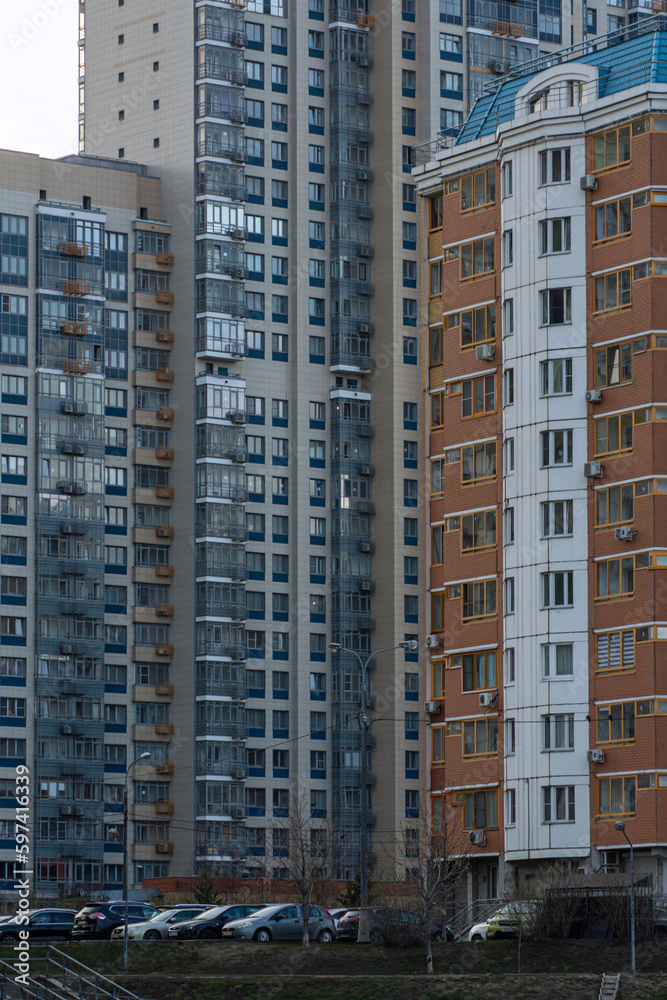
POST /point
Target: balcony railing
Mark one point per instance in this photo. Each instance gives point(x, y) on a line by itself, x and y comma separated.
point(211, 648)
point(221, 33)
point(210, 727)
point(213, 609)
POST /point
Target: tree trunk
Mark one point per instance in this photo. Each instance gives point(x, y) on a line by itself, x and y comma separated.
point(305, 913)
point(429, 953)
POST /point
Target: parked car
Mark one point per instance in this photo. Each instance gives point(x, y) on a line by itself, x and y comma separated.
point(98, 920)
point(478, 932)
point(282, 923)
point(392, 924)
point(158, 926)
point(210, 923)
point(337, 914)
point(512, 916)
point(53, 925)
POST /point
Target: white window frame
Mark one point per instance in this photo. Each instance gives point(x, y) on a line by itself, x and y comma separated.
point(551, 509)
point(550, 661)
point(548, 589)
point(548, 370)
point(558, 732)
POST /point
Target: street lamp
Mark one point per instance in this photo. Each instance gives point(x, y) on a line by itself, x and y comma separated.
point(365, 723)
point(620, 825)
point(142, 756)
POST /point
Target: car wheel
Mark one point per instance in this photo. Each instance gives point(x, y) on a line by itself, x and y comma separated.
point(477, 937)
point(208, 933)
point(9, 936)
point(152, 936)
point(325, 936)
point(262, 935)
point(376, 937)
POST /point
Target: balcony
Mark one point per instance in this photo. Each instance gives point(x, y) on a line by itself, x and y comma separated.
point(226, 73)
point(164, 297)
point(221, 33)
point(213, 727)
point(211, 609)
point(233, 769)
point(164, 728)
point(222, 688)
point(212, 109)
point(231, 151)
point(164, 610)
point(164, 413)
point(165, 258)
point(164, 767)
point(163, 492)
point(164, 569)
point(163, 807)
point(222, 491)
point(164, 452)
point(212, 648)
point(75, 366)
point(164, 689)
point(164, 649)
point(164, 374)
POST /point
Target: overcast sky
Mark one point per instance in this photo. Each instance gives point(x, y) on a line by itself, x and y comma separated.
point(38, 76)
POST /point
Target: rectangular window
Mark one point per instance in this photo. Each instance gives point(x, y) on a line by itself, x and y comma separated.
point(617, 796)
point(506, 177)
point(480, 809)
point(479, 670)
point(556, 306)
point(556, 448)
point(558, 731)
point(613, 292)
point(557, 519)
point(555, 236)
point(508, 247)
point(478, 326)
point(611, 149)
point(554, 166)
point(615, 579)
point(508, 595)
point(478, 600)
point(478, 396)
point(613, 220)
point(558, 589)
point(613, 365)
point(614, 435)
point(558, 804)
point(478, 190)
point(557, 660)
point(480, 738)
point(478, 463)
point(556, 377)
point(616, 723)
point(615, 651)
point(477, 259)
point(614, 506)
point(478, 531)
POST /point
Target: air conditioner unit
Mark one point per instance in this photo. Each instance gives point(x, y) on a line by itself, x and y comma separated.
point(487, 698)
point(238, 272)
point(364, 328)
point(67, 408)
point(78, 811)
point(595, 756)
point(485, 352)
point(238, 812)
point(163, 847)
point(497, 67)
point(65, 810)
point(365, 547)
point(66, 529)
point(593, 470)
point(363, 175)
point(66, 649)
point(79, 449)
point(433, 641)
point(366, 470)
point(624, 534)
point(588, 182)
point(431, 707)
point(238, 417)
point(237, 234)
point(66, 448)
point(367, 585)
point(66, 730)
point(80, 409)
point(477, 838)
point(594, 396)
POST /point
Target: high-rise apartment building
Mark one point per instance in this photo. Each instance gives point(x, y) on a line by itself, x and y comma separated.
point(84, 516)
point(543, 259)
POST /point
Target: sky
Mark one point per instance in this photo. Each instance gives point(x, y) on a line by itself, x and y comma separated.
point(39, 76)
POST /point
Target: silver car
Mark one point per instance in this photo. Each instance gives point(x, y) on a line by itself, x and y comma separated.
point(282, 923)
point(157, 928)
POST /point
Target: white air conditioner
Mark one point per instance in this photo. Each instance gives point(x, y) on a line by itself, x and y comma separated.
point(67, 529)
point(363, 175)
point(366, 470)
point(79, 449)
point(594, 396)
point(65, 810)
point(431, 707)
point(238, 417)
point(487, 698)
point(433, 641)
point(238, 812)
point(588, 182)
point(624, 534)
point(78, 811)
point(364, 328)
point(497, 67)
point(66, 730)
point(595, 756)
point(67, 407)
point(593, 469)
point(485, 352)
point(367, 585)
point(477, 838)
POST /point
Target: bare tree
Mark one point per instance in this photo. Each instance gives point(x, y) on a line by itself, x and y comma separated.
point(306, 849)
point(436, 854)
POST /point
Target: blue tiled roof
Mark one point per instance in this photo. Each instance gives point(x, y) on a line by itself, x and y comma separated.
point(642, 59)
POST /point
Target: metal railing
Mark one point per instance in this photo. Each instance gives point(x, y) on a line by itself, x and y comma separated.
point(76, 979)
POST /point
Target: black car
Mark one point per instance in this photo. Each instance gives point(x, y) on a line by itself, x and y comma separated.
point(47, 925)
point(97, 920)
point(210, 924)
point(390, 924)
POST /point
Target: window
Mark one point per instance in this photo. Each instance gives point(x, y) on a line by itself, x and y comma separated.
point(254, 71)
point(556, 306)
point(13, 586)
point(450, 120)
point(617, 796)
point(558, 589)
point(557, 660)
point(508, 247)
point(478, 396)
point(478, 190)
point(614, 435)
point(556, 448)
point(409, 235)
point(613, 365)
point(477, 259)
point(613, 292)
point(408, 82)
point(611, 149)
point(316, 156)
point(615, 651)
point(451, 45)
point(478, 600)
point(558, 731)
point(480, 809)
point(508, 387)
point(478, 463)
point(479, 670)
point(613, 220)
point(478, 531)
point(508, 595)
point(510, 737)
point(556, 377)
point(615, 578)
point(478, 326)
point(14, 465)
point(555, 236)
point(616, 723)
point(408, 44)
point(508, 526)
point(506, 178)
point(558, 804)
point(14, 506)
point(557, 518)
point(614, 506)
point(508, 317)
point(554, 166)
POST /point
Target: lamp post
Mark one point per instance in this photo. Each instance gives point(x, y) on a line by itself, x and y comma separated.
point(620, 825)
point(142, 756)
point(365, 723)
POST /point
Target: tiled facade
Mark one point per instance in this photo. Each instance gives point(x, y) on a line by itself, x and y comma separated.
point(543, 303)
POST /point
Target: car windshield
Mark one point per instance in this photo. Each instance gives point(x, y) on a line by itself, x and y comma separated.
point(162, 915)
point(214, 911)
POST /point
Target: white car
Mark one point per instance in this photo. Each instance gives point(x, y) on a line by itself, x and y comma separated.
point(478, 932)
point(157, 928)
